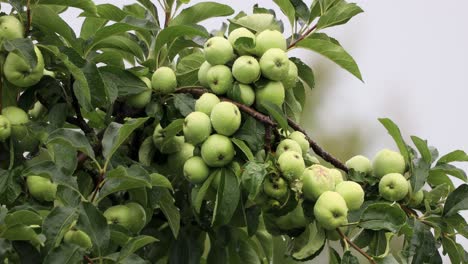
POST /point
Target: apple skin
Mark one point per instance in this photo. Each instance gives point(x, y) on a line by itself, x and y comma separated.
point(120, 215)
point(78, 237)
point(19, 72)
point(275, 187)
point(219, 79)
point(195, 170)
point(310, 160)
point(393, 187)
point(164, 80)
point(138, 217)
point(139, 100)
point(171, 146)
point(10, 28)
point(5, 128)
point(274, 64)
point(206, 102)
point(352, 193)
point(288, 145)
point(240, 33)
point(202, 73)
point(316, 179)
point(158, 135)
point(242, 93)
point(291, 165)
point(218, 51)
point(291, 79)
point(226, 118)
point(217, 150)
point(37, 111)
point(177, 160)
point(41, 188)
point(272, 92)
point(337, 176)
point(300, 138)
point(415, 199)
point(197, 127)
point(269, 39)
point(387, 161)
point(330, 210)
point(292, 220)
point(246, 69)
point(360, 163)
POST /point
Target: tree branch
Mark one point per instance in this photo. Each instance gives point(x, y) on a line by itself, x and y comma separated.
point(351, 243)
point(29, 17)
point(303, 36)
point(88, 260)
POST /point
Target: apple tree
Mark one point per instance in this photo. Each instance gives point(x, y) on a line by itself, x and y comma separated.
point(146, 138)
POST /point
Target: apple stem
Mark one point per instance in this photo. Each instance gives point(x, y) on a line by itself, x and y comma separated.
point(346, 240)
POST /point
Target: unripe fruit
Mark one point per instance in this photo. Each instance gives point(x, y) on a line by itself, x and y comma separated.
point(197, 127)
point(206, 102)
point(203, 73)
point(225, 118)
point(164, 80)
point(219, 79)
point(336, 175)
point(218, 51)
point(37, 111)
point(274, 64)
point(291, 79)
point(240, 33)
point(393, 187)
point(387, 161)
point(139, 100)
point(300, 138)
point(158, 135)
point(195, 170)
point(177, 160)
point(5, 128)
point(138, 217)
point(288, 145)
point(217, 150)
point(360, 163)
point(19, 72)
point(275, 187)
point(242, 93)
point(41, 188)
point(316, 180)
point(292, 220)
point(269, 39)
point(352, 193)
point(330, 210)
point(246, 69)
point(10, 28)
point(79, 238)
point(415, 199)
point(272, 92)
point(291, 165)
point(173, 145)
point(119, 215)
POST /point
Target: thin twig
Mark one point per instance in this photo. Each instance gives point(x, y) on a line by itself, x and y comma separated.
point(90, 261)
point(98, 185)
point(351, 243)
point(29, 17)
point(268, 139)
point(76, 106)
point(303, 36)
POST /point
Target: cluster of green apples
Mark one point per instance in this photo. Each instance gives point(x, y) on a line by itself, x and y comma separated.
point(249, 74)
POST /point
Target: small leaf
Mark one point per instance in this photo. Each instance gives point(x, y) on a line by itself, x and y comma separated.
point(339, 14)
point(383, 216)
point(451, 170)
point(159, 180)
point(227, 198)
point(288, 9)
point(47, 20)
point(166, 203)
point(457, 201)
point(23, 217)
point(24, 48)
point(315, 240)
point(305, 73)
point(420, 174)
point(85, 5)
point(21, 233)
point(200, 12)
point(57, 222)
point(65, 254)
point(252, 132)
point(423, 148)
point(244, 148)
point(198, 194)
point(134, 244)
point(184, 103)
point(169, 34)
point(74, 138)
point(257, 22)
point(277, 114)
point(252, 178)
point(457, 155)
point(394, 131)
point(450, 248)
point(423, 245)
point(92, 222)
point(349, 258)
point(121, 179)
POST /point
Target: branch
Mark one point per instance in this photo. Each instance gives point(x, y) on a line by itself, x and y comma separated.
point(88, 260)
point(29, 17)
point(303, 36)
point(362, 252)
point(268, 139)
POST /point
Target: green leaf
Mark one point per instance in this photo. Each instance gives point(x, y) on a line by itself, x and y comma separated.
point(166, 203)
point(383, 216)
point(146, 152)
point(457, 155)
point(451, 170)
point(288, 9)
point(314, 238)
point(348, 258)
point(21, 233)
point(200, 12)
point(227, 198)
point(450, 248)
point(73, 138)
point(127, 24)
point(339, 14)
point(169, 34)
point(187, 69)
point(257, 22)
point(116, 134)
point(330, 48)
point(198, 194)
point(10, 187)
point(266, 241)
point(184, 103)
point(159, 180)
point(252, 178)
point(420, 174)
point(394, 131)
point(92, 222)
point(423, 148)
point(244, 148)
point(22, 47)
point(47, 20)
point(49, 169)
point(85, 5)
point(252, 132)
point(423, 245)
point(23, 217)
point(65, 254)
point(436, 194)
point(57, 222)
point(121, 179)
point(437, 178)
point(305, 73)
point(121, 83)
point(292, 106)
point(277, 114)
point(241, 249)
point(134, 244)
point(121, 43)
point(457, 201)
point(107, 12)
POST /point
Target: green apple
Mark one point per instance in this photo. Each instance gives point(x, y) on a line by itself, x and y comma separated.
point(78, 237)
point(119, 215)
point(139, 100)
point(415, 199)
point(166, 146)
point(219, 79)
point(330, 210)
point(288, 145)
point(316, 180)
point(138, 217)
point(337, 176)
point(242, 93)
point(203, 73)
point(246, 69)
point(195, 170)
point(387, 161)
point(164, 80)
point(292, 220)
point(352, 193)
point(272, 92)
point(269, 39)
point(218, 51)
point(291, 165)
point(217, 150)
point(291, 78)
point(360, 163)
point(240, 33)
point(333, 235)
point(177, 160)
point(206, 102)
point(225, 118)
point(393, 187)
point(274, 64)
point(5, 128)
point(197, 127)
point(10, 28)
point(275, 187)
point(301, 139)
point(20, 73)
point(310, 160)
point(37, 111)
point(41, 188)
point(158, 135)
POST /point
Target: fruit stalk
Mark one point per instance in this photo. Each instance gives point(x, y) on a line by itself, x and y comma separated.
point(358, 249)
point(303, 36)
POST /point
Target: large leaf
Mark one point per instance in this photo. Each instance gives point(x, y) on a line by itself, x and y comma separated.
point(165, 201)
point(48, 21)
point(92, 222)
point(65, 254)
point(227, 198)
point(134, 244)
point(330, 48)
point(451, 170)
point(24, 48)
point(244, 148)
point(394, 131)
point(252, 178)
point(257, 22)
point(198, 193)
point(288, 9)
point(457, 201)
point(423, 148)
point(169, 34)
point(23, 217)
point(305, 73)
point(457, 155)
point(277, 114)
point(200, 12)
point(121, 83)
point(85, 5)
point(423, 245)
point(57, 222)
point(420, 174)
point(121, 179)
point(74, 138)
point(314, 238)
point(383, 216)
point(339, 14)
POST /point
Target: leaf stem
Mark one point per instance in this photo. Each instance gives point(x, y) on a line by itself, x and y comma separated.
point(303, 36)
point(88, 260)
point(346, 240)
